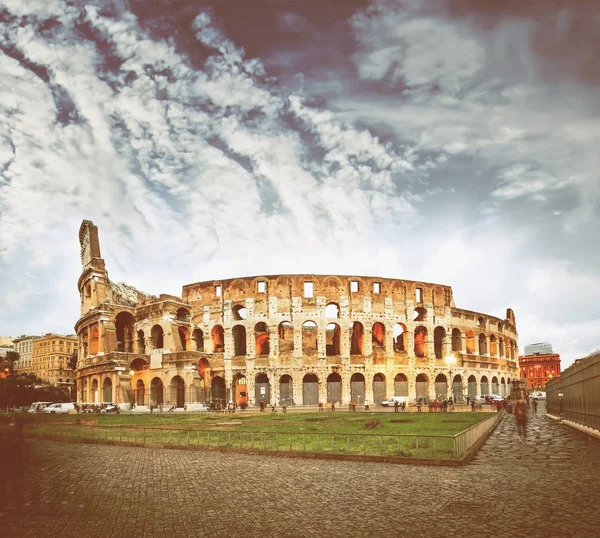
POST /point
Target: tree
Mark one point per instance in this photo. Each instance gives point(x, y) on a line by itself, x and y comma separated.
point(12, 357)
point(73, 361)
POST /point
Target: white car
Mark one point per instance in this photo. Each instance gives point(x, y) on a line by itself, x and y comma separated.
point(61, 408)
point(391, 401)
point(38, 407)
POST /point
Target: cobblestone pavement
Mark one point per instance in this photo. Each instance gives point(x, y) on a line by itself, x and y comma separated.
point(546, 487)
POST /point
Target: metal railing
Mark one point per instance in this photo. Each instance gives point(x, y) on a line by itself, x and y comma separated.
point(449, 447)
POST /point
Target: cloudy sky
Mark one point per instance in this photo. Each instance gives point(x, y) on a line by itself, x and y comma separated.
point(447, 141)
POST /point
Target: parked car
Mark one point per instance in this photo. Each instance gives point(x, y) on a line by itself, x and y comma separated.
point(109, 408)
point(495, 398)
point(38, 407)
point(391, 401)
point(61, 408)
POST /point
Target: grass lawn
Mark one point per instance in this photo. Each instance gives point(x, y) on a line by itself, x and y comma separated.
point(382, 434)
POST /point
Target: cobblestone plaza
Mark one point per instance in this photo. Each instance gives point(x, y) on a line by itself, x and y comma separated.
point(546, 487)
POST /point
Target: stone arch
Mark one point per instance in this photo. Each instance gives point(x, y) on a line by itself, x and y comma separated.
point(310, 336)
point(218, 339)
point(379, 388)
point(481, 322)
point(261, 339)
point(239, 340)
point(357, 388)
point(157, 396)
point(158, 337)
point(177, 386)
point(95, 341)
point(399, 333)
point(457, 389)
point(332, 339)
point(262, 388)
point(141, 342)
point(184, 338)
point(310, 389)
point(140, 392)
point(332, 311)
point(500, 327)
point(503, 387)
point(495, 387)
point(94, 391)
point(482, 344)
point(334, 387)
point(107, 395)
point(470, 341)
point(285, 332)
point(198, 339)
point(378, 335)
point(493, 346)
point(472, 387)
point(484, 384)
point(439, 339)
point(422, 387)
point(420, 341)
point(500, 347)
point(456, 340)
point(218, 390)
point(420, 314)
point(356, 338)
point(138, 365)
point(441, 387)
point(401, 385)
point(183, 314)
point(240, 390)
point(286, 390)
point(124, 331)
point(239, 312)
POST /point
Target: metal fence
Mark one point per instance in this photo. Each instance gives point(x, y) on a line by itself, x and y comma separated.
point(374, 445)
point(580, 388)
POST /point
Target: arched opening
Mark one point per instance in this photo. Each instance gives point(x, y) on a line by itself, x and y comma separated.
point(183, 314)
point(157, 336)
point(198, 339)
point(240, 390)
point(357, 388)
point(332, 311)
point(95, 341)
point(138, 364)
point(456, 340)
point(107, 390)
point(310, 389)
point(457, 389)
point(379, 389)
point(261, 339)
point(441, 387)
point(178, 391)
point(184, 337)
point(124, 329)
point(332, 339)
point(239, 340)
point(439, 338)
point(420, 341)
point(239, 312)
point(481, 322)
point(356, 339)
point(218, 340)
point(157, 396)
point(485, 388)
point(141, 342)
point(470, 341)
point(140, 393)
point(263, 389)
point(83, 396)
point(482, 344)
point(286, 390)
point(503, 387)
point(95, 391)
point(472, 387)
point(401, 385)
point(334, 387)
point(493, 346)
point(309, 338)
point(217, 390)
point(422, 387)
point(501, 347)
point(495, 386)
point(500, 327)
point(285, 332)
point(420, 314)
point(399, 336)
point(378, 337)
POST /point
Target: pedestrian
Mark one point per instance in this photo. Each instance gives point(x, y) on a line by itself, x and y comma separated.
point(332, 407)
point(366, 405)
point(419, 403)
point(262, 406)
point(468, 400)
point(520, 412)
point(472, 405)
point(395, 406)
point(535, 405)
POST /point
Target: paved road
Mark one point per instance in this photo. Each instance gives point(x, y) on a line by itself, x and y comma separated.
point(546, 487)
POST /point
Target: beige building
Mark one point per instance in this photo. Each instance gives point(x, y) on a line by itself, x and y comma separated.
point(24, 347)
point(293, 339)
point(50, 358)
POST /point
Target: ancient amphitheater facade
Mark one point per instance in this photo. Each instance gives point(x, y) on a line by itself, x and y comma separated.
point(290, 339)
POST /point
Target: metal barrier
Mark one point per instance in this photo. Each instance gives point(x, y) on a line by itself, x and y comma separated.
point(375, 445)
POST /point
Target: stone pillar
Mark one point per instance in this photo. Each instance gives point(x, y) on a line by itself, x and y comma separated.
point(297, 341)
point(273, 341)
point(228, 378)
point(345, 336)
point(274, 381)
point(250, 342)
point(229, 347)
point(369, 387)
point(250, 387)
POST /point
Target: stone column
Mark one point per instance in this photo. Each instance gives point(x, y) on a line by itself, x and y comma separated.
point(229, 347)
point(250, 342)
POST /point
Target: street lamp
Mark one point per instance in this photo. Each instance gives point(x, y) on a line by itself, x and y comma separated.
point(450, 362)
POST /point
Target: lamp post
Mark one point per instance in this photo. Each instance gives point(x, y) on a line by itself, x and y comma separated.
point(450, 362)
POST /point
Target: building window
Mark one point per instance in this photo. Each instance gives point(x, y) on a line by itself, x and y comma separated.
point(354, 286)
point(376, 287)
point(217, 291)
point(419, 295)
point(261, 286)
point(308, 290)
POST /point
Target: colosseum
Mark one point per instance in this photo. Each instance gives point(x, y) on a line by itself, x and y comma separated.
point(286, 339)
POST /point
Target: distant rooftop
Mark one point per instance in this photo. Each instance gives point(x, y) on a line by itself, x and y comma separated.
point(540, 348)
